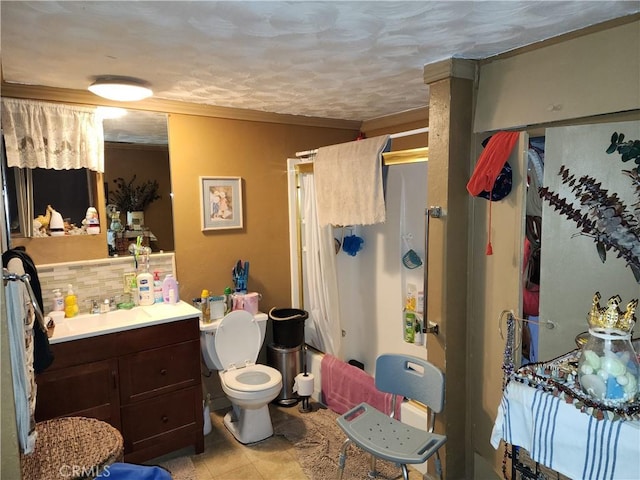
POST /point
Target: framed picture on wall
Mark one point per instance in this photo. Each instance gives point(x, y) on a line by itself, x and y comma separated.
point(220, 203)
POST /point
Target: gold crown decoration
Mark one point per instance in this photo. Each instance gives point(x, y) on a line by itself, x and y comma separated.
point(610, 316)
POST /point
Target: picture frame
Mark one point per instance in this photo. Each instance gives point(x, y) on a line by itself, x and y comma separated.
point(221, 203)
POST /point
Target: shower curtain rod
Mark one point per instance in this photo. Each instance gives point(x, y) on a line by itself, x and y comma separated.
point(406, 133)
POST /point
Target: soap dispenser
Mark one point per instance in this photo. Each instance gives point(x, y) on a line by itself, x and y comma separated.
point(58, 300)
point(70, 303)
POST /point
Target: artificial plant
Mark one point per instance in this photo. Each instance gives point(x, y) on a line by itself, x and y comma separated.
point(133, 198)
point(607, 219)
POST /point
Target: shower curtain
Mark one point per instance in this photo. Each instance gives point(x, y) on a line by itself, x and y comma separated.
point(323, 329)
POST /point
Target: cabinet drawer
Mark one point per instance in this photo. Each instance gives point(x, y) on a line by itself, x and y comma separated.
point(161, 419)
point(161, 370)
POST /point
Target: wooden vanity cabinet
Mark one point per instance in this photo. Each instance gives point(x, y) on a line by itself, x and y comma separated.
point(145, 382)
point(88, 390)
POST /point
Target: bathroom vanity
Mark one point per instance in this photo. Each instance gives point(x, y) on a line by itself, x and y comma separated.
point(138, 370)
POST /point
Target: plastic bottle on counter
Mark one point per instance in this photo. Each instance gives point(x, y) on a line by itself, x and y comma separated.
point(58, 300)
point(145, 288)
point(157, 287)
point(228, 300)
point(204, 305)
point(70, 303)
point(170, 289)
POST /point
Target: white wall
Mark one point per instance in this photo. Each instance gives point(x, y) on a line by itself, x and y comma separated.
point(372, 284)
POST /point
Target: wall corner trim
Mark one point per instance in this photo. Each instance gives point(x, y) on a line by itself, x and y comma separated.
point(451, 67)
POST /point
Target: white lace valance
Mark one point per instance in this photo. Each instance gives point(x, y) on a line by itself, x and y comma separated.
point(52, 135)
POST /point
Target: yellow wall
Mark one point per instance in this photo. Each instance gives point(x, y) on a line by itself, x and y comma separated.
point(258, 153)
point(402, 122)
point(589, 75)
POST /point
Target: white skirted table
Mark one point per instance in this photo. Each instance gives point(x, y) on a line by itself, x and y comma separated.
point(562, 430)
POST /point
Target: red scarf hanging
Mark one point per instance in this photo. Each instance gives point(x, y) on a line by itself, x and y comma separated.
point(489, 165)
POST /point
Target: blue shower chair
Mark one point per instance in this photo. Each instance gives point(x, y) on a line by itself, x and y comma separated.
point(382, 435)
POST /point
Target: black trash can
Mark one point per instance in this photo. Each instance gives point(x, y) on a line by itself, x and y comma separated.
point(285, 354)
point(288, 326)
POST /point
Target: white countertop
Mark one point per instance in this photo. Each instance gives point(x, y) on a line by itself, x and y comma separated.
point(91, 325)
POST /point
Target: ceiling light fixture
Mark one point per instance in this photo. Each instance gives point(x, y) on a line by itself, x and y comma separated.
point(121, 89)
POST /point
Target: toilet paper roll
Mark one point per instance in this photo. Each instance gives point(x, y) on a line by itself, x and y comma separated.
point(303, 385)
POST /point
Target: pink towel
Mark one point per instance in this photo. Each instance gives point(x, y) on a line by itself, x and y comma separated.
point(345, 386)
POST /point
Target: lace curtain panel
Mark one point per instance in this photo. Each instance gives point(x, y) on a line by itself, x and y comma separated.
point(52, 135)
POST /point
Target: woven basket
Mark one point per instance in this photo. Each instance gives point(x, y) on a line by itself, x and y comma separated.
point(72, 448)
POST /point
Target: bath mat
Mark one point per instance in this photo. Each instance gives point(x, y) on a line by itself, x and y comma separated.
point(318, 439)
point(181, 468)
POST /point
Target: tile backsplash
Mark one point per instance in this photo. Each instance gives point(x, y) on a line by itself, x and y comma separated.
point(95, 279)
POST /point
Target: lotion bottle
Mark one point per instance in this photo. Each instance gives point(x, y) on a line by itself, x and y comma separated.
point(170, 289)
point(145, 288)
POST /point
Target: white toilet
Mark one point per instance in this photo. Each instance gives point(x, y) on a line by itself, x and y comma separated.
point(231, 346)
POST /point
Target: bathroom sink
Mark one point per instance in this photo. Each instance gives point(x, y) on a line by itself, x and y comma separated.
point(89, 325)
point(101, 320)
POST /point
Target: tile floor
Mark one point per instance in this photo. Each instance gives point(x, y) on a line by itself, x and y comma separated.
point(224, 458)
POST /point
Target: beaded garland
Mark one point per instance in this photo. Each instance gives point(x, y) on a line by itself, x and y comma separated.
point(507, 364)
point(508, 369)
point(559, 377)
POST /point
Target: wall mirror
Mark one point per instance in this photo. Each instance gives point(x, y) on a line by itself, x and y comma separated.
point(136, 150)
point(565, 257)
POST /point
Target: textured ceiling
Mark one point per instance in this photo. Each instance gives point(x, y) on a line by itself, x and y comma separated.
point(345, 60)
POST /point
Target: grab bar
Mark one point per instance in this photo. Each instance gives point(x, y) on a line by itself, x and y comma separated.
point(431, 212)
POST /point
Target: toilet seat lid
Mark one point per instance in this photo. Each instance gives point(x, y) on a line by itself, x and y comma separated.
point(252, 379)
point(238, 339)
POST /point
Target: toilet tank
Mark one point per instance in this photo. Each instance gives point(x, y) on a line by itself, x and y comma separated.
point(262, 318)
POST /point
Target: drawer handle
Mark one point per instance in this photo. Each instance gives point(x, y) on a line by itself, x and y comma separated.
point(163, 371)
point(165, 419)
